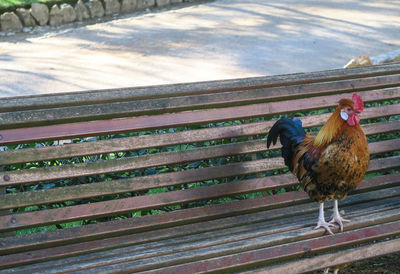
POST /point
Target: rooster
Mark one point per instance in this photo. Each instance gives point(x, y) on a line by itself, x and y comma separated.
point(328, 165)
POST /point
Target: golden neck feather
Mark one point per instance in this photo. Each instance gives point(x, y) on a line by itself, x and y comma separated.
point(330, 131)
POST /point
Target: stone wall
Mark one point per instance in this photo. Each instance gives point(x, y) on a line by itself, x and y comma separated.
point(41, 15)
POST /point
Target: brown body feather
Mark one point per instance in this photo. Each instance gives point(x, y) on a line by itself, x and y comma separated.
point(332, 164)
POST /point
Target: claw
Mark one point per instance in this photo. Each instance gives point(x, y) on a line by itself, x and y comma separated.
point(321, 220)
point(325, 225)
point(336, 218)
point(339, 220)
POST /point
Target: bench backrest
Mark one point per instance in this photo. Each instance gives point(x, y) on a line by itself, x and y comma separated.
point(88, 165)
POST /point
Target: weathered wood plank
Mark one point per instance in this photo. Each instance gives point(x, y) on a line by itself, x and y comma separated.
point(263, 254)
point(333, 259)
point(194, 243)
point(382, 164)
point(160, 180)
point(265, 245)
point(136, 184)
point(384, 146)
point(171, 240)
point(150, 160)
point(120, 206)
point(205, 219)
point(131, 163)
point(161, 247)
point(206, 243)
point(125, 94)
point(186, 118)
point(167, 139)
point(382, 127)
point(173, 104)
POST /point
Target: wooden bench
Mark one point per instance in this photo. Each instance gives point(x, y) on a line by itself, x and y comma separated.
point(178, 178)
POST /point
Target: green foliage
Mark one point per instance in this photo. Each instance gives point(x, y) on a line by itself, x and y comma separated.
point(12, 5)
point(36, 230)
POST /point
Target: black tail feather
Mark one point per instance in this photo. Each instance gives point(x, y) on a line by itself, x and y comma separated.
point(291, 133)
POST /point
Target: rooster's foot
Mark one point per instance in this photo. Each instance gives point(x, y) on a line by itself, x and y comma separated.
point(321, 220)
point(339, 220)
point(325, 225)
point(336, 218)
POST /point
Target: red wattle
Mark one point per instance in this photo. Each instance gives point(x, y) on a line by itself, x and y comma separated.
point(353, 120)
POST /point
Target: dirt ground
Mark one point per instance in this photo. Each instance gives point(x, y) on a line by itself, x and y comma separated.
point(389, 264)
point(384, 264)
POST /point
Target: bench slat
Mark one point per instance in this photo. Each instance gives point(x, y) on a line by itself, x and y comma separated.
point(161, 180)
point(226, 230)
point(168, 139)
point(131, 163)
point(174, 104)
point(262, 255)
point(154, 181)
point(134, 184)
point(185, 89)
point(125, 205)
point(270, 244)
point(152, 160)
point(268, 236)
point(78, 234)
point(333, 259)
point(186, 118)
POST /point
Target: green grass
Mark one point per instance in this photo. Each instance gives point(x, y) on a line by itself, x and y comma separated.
point(12, 5)
point(6, 4)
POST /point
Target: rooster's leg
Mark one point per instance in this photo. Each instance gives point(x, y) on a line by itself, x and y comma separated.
point(321, 220)
point(336, 218)
point(326, 271)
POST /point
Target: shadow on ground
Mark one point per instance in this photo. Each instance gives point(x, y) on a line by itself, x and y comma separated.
point(215, 40)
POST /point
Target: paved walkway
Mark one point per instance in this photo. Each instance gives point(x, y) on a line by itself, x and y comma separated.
point(212, 40)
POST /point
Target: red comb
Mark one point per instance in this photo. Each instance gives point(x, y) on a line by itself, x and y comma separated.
point(358, 103)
